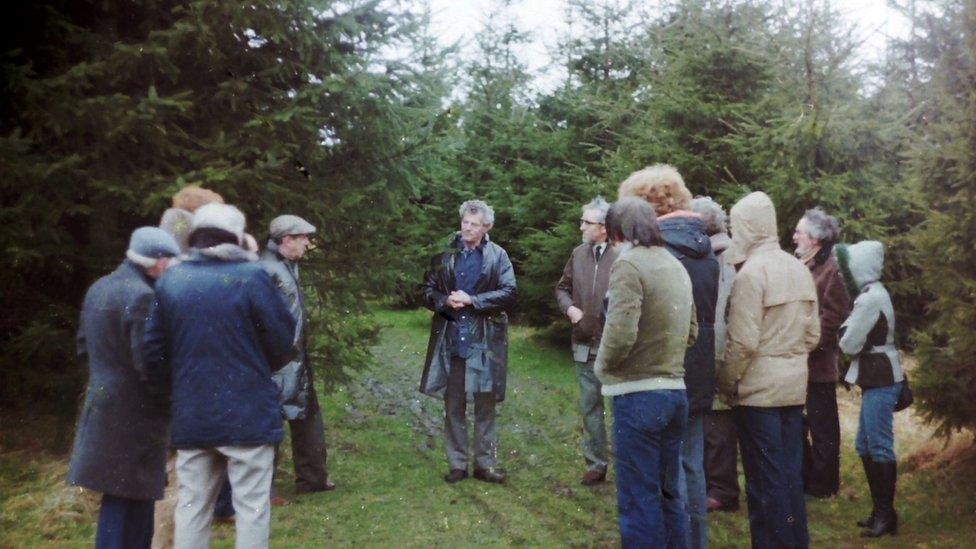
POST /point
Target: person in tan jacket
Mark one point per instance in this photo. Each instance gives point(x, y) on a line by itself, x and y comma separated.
point(772, 325)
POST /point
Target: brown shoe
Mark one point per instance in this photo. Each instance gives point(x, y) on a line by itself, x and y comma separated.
point(456, 475)
point(593, 477)
point(489, 475)
point(278, 501)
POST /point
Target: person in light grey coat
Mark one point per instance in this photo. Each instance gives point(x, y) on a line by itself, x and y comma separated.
point(868, 336)
point(299, 403)
point(123, 428)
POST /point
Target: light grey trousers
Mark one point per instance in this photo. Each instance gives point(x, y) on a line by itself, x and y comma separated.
point(200, 474)
point(591, 409)
point(456, 424)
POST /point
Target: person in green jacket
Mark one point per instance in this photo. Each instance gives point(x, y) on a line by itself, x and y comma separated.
point(650, 322)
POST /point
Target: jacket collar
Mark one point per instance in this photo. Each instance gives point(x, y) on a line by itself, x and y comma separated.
point(222, 252)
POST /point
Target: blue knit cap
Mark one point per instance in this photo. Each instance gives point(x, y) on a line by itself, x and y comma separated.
point(153, 242)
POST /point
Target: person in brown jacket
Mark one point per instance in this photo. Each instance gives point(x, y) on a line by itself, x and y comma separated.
point(772, 324)
point(580, 293)
point(815, 235)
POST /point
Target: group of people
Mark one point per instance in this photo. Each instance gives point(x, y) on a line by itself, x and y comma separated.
point(708, 337)
point(197, 344)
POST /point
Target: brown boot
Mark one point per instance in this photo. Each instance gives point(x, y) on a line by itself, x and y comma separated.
point(591, 477)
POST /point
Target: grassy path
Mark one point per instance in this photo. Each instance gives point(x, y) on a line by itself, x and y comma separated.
point(386, 456)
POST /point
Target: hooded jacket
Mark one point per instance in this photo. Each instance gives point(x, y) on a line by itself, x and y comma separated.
point(868, 334)
point(773, 321)
point(684, 236)
point(720, 244)
point(218, 329)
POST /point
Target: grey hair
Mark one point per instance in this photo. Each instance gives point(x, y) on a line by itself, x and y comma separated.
point(714, 217)
point(600, 206)
point(822, 226)
point(478, 207)
point(633, 220)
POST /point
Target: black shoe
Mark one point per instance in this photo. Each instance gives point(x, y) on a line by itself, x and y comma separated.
point(868, 464)
point(885, 518)
point(489, 475)
point(456, 475)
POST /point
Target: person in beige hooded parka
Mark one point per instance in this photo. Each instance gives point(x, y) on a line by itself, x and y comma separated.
point(772, 324)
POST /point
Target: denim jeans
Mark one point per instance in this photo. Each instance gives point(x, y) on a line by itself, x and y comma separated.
point(771, 442)
point(875, 437)
point(692, 481)
point(591, 409)
point(647, 429)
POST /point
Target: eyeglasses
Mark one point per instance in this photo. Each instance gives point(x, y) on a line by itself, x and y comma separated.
point(587, 222)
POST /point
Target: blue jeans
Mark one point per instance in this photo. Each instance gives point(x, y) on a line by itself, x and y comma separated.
point(771, 441)
point(124, 523)
point(875, 436)
point(647, 428)
point(692, 481)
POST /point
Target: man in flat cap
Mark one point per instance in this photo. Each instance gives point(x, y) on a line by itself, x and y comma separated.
point(288, 242)
point(120, 444)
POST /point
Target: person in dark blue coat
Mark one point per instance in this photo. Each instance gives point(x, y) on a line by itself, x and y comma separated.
point(684, 236)
point(120, 443)
point(217, 332)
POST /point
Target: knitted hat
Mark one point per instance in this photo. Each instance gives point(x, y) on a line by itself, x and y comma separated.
point(219, 216)
point(153, 242)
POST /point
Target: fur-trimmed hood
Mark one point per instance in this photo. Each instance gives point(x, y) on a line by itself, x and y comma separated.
point(221, 252)
point(860, 264)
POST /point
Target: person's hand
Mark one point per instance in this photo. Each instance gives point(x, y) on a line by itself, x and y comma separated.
point(574, 313)
point(459, 299)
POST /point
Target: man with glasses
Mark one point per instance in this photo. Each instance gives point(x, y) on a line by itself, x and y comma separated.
point(579, 293)
point(470, 287)
point(290, 239)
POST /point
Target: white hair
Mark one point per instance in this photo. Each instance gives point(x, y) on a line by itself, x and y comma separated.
point(478, 207)
point(822, 226)
point(713, 216)
point(600, 206)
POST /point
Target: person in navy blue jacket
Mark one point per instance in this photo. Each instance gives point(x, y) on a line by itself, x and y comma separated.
point(217, 331)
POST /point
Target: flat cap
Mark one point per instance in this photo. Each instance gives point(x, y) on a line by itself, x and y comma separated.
point(153, 242)
point(290, 224)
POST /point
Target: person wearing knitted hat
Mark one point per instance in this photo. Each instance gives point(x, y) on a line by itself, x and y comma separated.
point(218, 331)
point(120, 443)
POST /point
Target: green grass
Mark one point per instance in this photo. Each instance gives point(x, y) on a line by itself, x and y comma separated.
point(386, 455)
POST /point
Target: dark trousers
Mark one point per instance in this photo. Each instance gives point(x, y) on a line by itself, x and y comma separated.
point(821, 441)
point(456, 423)
point(771, 440)
point(225, 504)
point(721, 458)
point(124, 523)
point(647, 428)
point(308, 451)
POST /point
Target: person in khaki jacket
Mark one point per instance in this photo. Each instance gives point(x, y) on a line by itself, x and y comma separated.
point(772, 325)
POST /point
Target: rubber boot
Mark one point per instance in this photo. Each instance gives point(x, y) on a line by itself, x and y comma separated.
point(885, 519)
point(868, 464)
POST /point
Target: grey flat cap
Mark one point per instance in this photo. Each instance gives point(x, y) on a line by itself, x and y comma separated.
point(290, 224)
point(154, 243)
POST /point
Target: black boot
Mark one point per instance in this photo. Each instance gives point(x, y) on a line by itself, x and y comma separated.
point(868, 464)
point(885, 519)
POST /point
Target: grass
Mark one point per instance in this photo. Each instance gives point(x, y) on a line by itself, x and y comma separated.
point(386, 455)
